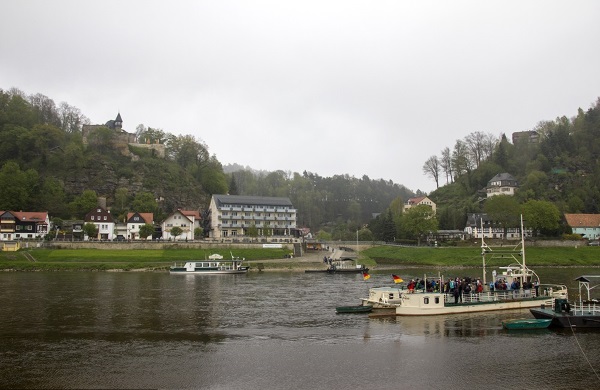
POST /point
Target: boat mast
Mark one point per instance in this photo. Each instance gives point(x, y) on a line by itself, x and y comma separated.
point(523, 245)
point(483, 251)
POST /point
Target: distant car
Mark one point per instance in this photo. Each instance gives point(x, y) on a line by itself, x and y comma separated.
point(594, 243)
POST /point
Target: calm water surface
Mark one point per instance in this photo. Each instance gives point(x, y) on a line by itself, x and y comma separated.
point(267, 331)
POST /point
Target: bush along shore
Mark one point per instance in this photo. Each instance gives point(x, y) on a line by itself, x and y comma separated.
point(279, 259)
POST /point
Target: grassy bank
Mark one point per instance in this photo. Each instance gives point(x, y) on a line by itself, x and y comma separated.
point(274, 259)
point(124, 259)
point(471, 256)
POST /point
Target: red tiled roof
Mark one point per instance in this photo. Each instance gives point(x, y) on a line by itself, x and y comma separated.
point(583, 220)
point(416, 200)
point(31, 216)
point(191, 213)
point(147, 217)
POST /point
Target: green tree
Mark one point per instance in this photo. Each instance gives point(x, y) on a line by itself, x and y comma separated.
point(90, 230)
point(144, 202)
point(252, 231)
point(541, 216)
point(146, 230)
point(198, 233)
point(16, 187)
point(176, 231)
point(121, 198)
point(322, 235)
point(418, 221)
point(504, 210)
point(84, 203)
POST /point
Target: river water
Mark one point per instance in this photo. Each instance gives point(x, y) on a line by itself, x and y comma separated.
point(271, 330)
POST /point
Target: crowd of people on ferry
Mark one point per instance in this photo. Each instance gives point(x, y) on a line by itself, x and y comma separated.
point(460, 288)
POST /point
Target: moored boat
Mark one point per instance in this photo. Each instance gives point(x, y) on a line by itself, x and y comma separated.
point(214, 265)
point(342, 266)
point(582, 314)
point(525, 324)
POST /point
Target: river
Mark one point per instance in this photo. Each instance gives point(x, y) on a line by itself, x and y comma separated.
point(269, 330)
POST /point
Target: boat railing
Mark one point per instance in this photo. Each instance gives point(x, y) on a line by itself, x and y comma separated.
point(502, 295)
point(585, 309)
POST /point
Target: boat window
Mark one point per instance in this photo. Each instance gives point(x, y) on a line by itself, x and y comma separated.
point(437, 300)
point(426, 300)
point(391, 296)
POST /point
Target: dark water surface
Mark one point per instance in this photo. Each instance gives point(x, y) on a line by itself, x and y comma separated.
point(267, 331)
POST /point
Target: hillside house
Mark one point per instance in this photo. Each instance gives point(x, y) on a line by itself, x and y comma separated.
point(421, 200)
point(502, 184)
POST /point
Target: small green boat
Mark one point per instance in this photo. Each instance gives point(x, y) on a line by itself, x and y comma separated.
point(523, 324)
point(353, 309)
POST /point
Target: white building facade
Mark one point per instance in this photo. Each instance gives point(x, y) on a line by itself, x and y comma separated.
point(234, 216)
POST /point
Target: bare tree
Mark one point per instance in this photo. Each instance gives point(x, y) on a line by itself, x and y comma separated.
point(71, 118)
point(461, 161)
point(446, 164)
point(432, 169)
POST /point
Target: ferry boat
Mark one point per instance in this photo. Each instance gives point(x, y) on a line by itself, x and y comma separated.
point(420, 302)
point(213, 265)
point(582, 314)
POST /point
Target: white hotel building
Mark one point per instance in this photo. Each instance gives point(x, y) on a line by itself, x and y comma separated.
point(232, 215)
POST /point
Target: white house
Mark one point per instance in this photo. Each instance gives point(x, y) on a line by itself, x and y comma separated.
point(502, 184)
point(187, 220)
point(135, 221)
point(104, 222)
point(420, 200)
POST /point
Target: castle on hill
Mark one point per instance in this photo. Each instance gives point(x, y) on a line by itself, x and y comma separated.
point(122, 139)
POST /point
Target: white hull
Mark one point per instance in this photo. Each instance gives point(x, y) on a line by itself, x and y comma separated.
point(209, 272)
point(418, 307)
point(210, 267)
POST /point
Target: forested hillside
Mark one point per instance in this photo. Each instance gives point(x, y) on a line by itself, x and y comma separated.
point(46, 165)
point(562, 167)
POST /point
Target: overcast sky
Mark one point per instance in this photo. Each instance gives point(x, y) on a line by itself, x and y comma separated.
point(332, 87)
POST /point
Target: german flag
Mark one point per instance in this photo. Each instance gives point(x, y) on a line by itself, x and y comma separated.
point(397, 279)
point(366, 275)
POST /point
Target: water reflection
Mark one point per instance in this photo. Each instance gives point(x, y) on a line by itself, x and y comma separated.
point(70, 330)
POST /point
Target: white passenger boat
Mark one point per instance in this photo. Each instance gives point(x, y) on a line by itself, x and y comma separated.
point(214, 265)
point(419, 302)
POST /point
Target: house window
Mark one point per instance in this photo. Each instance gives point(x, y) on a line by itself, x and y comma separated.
point(29, 227)
point(225, 233)
point(92, 217)
point(105, 217)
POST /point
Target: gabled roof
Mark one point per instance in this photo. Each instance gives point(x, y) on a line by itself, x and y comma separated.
point(222, 200)
point(191, 213)
point(147, 217)
point(583, 220)
point(27, 216)
point(503, 177)
point(416, 200)
point(31, 216)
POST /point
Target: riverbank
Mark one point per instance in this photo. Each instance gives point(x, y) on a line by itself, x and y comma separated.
point(278, 259)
